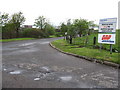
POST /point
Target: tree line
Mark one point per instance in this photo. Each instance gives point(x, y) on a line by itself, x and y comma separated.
point(12, 27)
point(73, 28)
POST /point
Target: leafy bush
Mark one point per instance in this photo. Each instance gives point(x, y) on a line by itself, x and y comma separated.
point(58, 34)
point(8, 31)
point(33, 32)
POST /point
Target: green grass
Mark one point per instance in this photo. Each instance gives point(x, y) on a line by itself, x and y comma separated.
point(15, 39)
point(52, 36)
point(85, 51)
point(81, 41)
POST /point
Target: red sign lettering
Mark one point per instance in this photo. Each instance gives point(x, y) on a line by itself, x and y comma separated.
point(106, 37)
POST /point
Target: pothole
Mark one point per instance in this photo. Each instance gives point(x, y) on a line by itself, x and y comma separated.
point(36, 79)
point(27, 66)
point(45, 72)
point(4, 69)
point(42, 76)
point(45, 68)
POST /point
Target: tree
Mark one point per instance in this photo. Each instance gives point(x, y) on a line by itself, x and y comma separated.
point(91, 26)
point(71, 31)
point(81, 26)
point(63, 29)
point(40, 22)
point(8, 31)
point(18, 19)
point(49, 29)
point(4, 18)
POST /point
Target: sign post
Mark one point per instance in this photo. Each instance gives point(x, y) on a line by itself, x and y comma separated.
point(110, 48)
point(107, 31)
point(100, 46)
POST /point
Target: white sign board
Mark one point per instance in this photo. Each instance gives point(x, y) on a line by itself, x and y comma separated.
point(106, 38)
point(107, 25)
point(107, 29)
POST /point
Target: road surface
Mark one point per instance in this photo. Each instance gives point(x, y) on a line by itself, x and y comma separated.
point(34, 64)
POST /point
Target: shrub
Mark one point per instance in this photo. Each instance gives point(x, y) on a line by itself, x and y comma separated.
point(58, 34)
point(33, 32)
point(8, 31)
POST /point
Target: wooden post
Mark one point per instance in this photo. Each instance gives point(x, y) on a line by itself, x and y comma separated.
point(94, 42)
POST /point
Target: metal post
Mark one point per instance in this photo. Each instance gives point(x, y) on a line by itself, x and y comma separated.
point(110, 48)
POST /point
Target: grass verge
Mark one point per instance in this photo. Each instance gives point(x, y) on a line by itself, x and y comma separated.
point(84, 51)
point(15, 39)
point(52, 36)
point(81, 41)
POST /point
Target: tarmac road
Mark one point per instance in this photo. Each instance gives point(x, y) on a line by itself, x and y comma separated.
point(34, 64)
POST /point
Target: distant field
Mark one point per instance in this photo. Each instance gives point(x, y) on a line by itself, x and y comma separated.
point(15, 39)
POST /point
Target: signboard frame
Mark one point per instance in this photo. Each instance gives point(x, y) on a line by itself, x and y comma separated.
point(107, 31)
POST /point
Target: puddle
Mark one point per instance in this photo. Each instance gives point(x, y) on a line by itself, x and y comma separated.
point(82, 76)
point(36, 79)
point(16, 72)
point(4, 69)
point(66, 78)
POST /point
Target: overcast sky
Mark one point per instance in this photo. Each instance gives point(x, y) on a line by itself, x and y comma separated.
point(58, 11)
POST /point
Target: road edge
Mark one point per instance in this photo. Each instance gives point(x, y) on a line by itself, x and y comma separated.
point(86, 58)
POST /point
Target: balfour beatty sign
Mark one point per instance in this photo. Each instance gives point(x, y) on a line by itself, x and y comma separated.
point(107, 29)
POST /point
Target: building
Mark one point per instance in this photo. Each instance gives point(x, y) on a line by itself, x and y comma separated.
point(27, 26)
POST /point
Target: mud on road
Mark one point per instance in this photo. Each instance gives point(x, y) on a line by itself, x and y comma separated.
point(34, 64)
